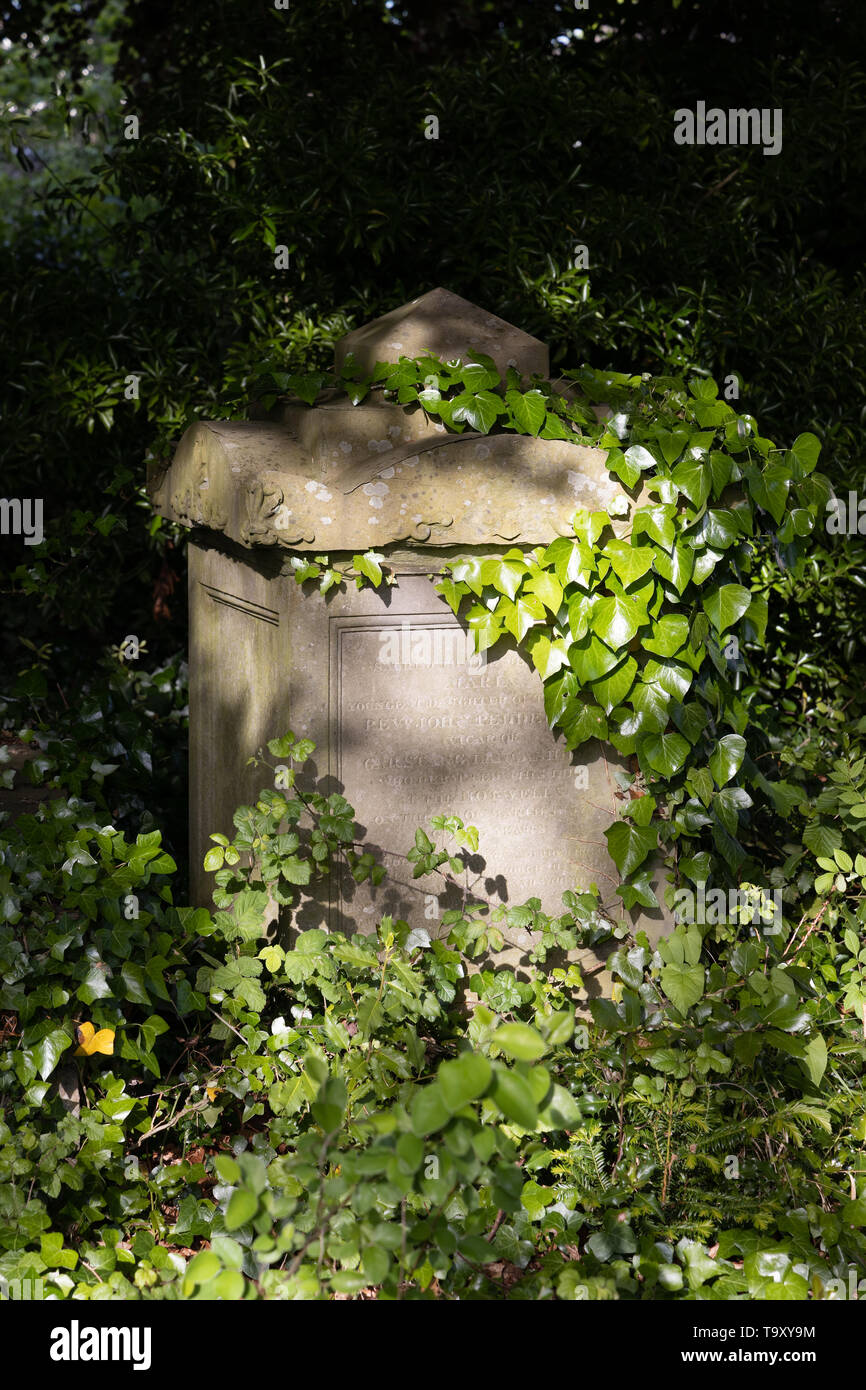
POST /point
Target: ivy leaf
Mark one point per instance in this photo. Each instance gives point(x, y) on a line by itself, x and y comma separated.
point(630, 563)
point(582, 721)
point(520, 616)
point(479, 374)
point(676, 566)
point(726, 605)
point(48, 1051)
point(727, 758)
point(683, 984)
point(452, 593)
point(639, 892)
point(806, 449)
point(703, 388)
point(504, 573)
point(693, 477)
point(547, 587)
point(487, 627)
point(718, 529)
point(657, 522)
point(369, 565)
point(547, 657)
point(555, 429)
point(618, 464)
point(613, 688)
point(640, 457)
point(668, 635)
point(616, 620)
point(571, 560)
point(663, 753)
point(479, 410)
point(672, 443)
point(528, 409)
point(630, 844)
point(771, 1275)
point(591, 659)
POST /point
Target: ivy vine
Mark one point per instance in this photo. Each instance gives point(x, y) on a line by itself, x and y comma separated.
point(639, 631)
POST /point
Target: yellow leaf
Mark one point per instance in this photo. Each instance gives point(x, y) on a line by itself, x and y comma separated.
point(212, 1092)
point(90, 1041)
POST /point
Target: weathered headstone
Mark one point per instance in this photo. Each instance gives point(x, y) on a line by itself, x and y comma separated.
point(407, 719)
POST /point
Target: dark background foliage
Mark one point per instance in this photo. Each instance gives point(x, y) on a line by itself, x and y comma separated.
point(305, 128)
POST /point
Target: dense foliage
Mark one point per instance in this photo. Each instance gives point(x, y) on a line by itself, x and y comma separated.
point(193, 1105)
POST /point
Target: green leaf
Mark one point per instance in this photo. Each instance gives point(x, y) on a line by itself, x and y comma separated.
point(48, 1051)
point(548, 657)
point(479, 410)
point(547, 587)
point(726, 605)
point(693, 477)
point(349, 1281)
point(640, 457)
point(241, 1209)
point(657, 522)
point(479, 374)
point(630, 562)
point(369, 565)
point(329, 1108)
point(293, 870)
point(771, 1275)
point(591, 659)
point(616, 620)
point(814, 1060)
point(515, 1099)
point(806, 449)
point(683, 984)
point(668, 635)
point(630, 844)
point(430, 1110)
point(727, 757)
point(703, 388)
point(520, 1041)
point(613, 688)
point(528, 409)
point(677, 566)
point(227, 1168)
point(463, 1080)
point(664, 753)
point(618, 464)
point(822, 839)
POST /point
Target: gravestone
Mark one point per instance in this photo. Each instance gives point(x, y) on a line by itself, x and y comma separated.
point(408, 720)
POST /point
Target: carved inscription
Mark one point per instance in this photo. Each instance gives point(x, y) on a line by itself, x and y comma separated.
point(421, 726)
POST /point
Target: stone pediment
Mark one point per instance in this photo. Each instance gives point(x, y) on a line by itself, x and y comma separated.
point(338, 476)
point(364, 476)
point(448, 327)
